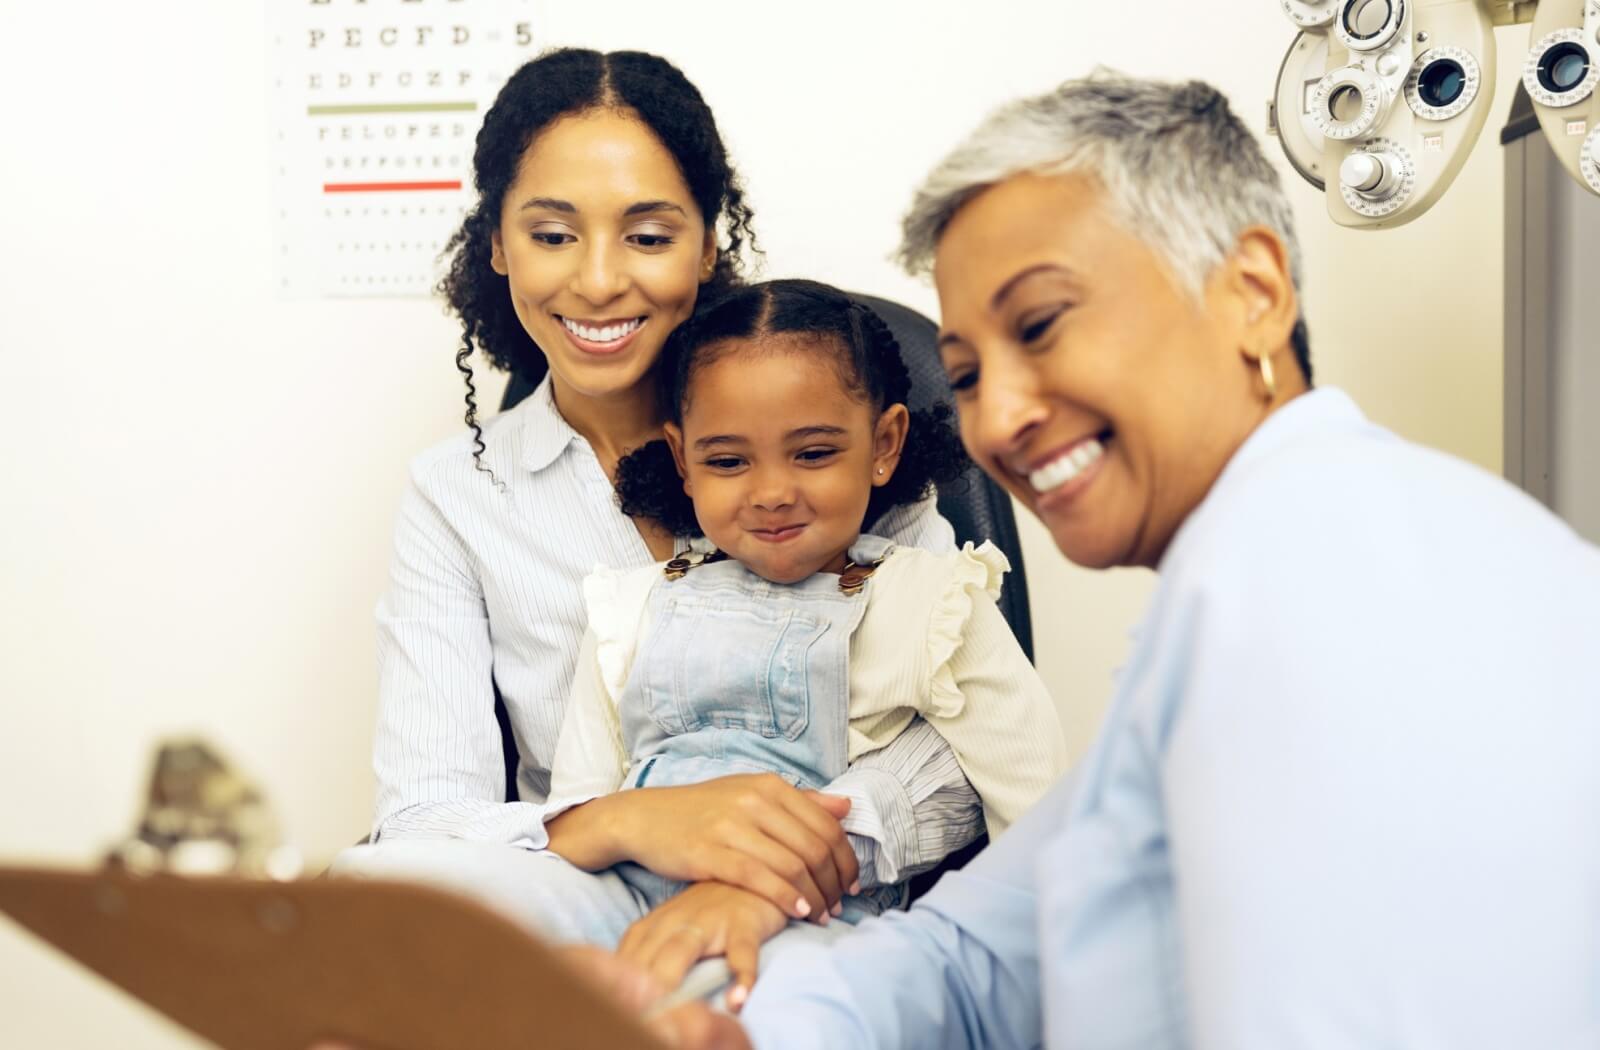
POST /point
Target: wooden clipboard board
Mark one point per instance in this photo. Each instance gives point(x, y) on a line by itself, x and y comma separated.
point(260, 965)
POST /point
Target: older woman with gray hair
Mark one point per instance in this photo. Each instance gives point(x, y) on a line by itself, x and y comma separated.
point(1346, 794)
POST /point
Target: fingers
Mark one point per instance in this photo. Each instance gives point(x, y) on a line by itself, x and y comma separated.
point(819, 818)
point(744, 953)
point(761, 832)
point(809, 831)
point(804, 831)
point(641, 940)
point(740, 869)
point(670, 957)
point(667, 942)
point(800, 855)
point(838, 806)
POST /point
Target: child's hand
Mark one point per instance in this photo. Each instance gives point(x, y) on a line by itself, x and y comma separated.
point(705, 920)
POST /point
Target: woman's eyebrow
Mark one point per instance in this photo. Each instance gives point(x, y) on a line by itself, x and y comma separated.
point(549, 204)
point(1017, 278)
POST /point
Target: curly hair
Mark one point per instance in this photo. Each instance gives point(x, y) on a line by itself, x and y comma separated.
point(562, 83)
point(869, 365)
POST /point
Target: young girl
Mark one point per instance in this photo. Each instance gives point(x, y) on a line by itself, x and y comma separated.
point(785, 640)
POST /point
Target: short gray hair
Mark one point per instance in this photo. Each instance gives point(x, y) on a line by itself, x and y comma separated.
point(1180, 169)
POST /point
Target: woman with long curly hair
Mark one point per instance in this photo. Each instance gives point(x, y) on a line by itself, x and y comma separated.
point(607, 209)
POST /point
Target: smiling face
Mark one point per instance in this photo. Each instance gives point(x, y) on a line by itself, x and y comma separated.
point(780, 458)
point(1088, 382)
point(604, 250)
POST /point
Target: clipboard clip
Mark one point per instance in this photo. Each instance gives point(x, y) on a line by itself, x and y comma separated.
point(203, 817)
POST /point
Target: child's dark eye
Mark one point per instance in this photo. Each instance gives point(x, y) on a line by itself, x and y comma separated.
point(652, 240)
point(724, 463)
point(817, 455)
point(552, 240)
point(964, 381)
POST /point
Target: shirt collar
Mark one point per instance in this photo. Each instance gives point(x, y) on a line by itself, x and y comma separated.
point(545, 433)
point(1316, 411)
point(1319, 411)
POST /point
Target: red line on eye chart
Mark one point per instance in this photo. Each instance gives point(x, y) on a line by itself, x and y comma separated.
point(388, 187)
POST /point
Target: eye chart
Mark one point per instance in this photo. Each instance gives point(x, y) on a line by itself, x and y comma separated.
point(377, 104)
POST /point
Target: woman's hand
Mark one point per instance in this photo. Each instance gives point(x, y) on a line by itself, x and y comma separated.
point(755, 831)
point(705, 920)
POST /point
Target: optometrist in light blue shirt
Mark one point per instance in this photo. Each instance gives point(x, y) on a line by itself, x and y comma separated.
point(1347, 794)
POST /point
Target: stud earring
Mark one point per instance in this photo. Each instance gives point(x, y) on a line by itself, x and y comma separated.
point(880, 472)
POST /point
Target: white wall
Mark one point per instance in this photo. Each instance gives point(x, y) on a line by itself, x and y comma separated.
point(199, 479)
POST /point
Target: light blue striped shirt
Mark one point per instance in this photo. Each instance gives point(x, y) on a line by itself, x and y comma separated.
point(486, 590)
point(1346, 796)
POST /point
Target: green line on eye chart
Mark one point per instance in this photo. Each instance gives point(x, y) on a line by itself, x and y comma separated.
point(390, 107)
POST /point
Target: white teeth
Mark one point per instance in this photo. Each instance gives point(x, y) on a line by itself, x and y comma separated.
point(609, 334)
point(1057, 473)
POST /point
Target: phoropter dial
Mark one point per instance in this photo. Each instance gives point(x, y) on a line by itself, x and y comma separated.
point(1311, 14)
point(1377, 178)
point(1561, 70)
point(1442, 83)
point(1347, 103)
point(1589, 159)
point(1365, 26)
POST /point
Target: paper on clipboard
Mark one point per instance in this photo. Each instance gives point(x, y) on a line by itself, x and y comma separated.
point(261, 965)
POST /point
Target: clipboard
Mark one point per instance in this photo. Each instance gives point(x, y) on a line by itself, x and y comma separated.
point(254, 964)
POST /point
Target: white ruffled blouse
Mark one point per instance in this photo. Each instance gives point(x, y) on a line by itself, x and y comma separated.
point(932, 642)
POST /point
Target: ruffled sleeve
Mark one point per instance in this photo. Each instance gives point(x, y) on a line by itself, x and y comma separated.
point(974, 572)
point(982, 694)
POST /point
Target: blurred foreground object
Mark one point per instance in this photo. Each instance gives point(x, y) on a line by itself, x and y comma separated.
point(203, 817)
point(201, 914)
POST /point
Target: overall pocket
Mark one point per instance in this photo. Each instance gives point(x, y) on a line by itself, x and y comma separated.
point(710, 667)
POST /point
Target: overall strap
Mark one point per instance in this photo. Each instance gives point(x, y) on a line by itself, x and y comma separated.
point(851, 580)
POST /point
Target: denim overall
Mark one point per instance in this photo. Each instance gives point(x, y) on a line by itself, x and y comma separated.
point(742, 675)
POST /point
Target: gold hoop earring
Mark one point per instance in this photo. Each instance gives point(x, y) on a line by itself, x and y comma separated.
point(1268, 379)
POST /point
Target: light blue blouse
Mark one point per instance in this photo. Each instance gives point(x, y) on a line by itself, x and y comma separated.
point(1347, 794)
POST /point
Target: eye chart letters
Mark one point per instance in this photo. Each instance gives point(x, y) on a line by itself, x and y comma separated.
point(376, 107)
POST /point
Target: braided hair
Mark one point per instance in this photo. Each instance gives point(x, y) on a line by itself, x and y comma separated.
point(562, 83)
point(865, 353)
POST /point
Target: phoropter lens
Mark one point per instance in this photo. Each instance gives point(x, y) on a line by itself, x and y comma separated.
point(1365, 19)
point(1442, 82)
point(1563, 67)
point(1344, 105)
